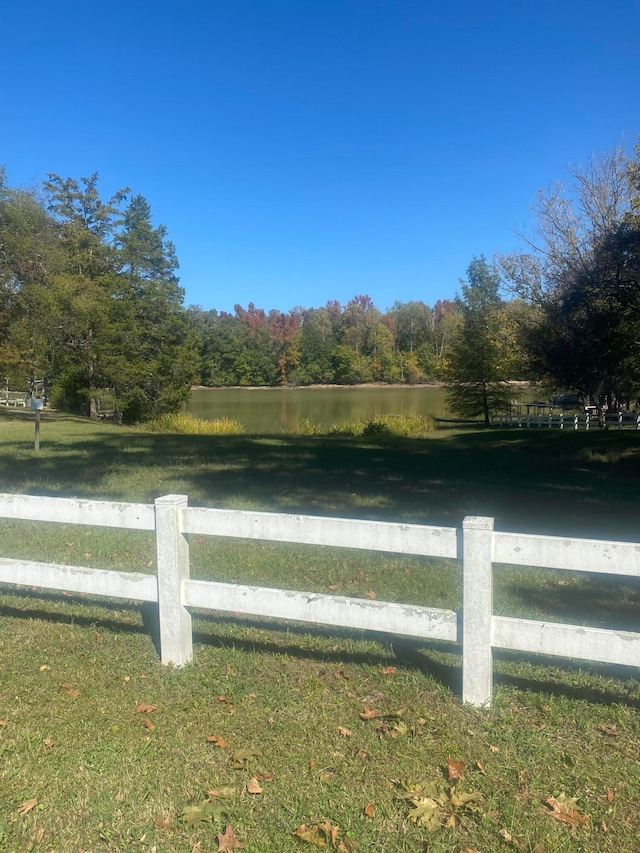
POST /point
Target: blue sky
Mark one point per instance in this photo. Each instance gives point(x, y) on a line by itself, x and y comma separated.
point(306, 150)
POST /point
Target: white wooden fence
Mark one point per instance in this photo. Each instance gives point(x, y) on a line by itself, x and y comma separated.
point(587, 420)
point(476, 629)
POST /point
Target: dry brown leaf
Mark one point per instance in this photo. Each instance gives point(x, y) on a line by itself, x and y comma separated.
point(494, 748)
point(71, 690)
point(371, 594)
point(311, 834)
point(253, 786)
point(368, 713)
point(3, 722)
point(362, 754)
point(144, 708)
point(26, 807)
point(161, 822)
point(369, 810)
point(227, 841)
point(564, 808)
point(344, 732)
point(224, 793)
point(267, 776)
point(148, 724)
point(481, 768)
point(455, 768)
point(217, 740)
point(48, 744)
point(389, 670)
point(44, 667)
point(38, 834)
point(610, 795)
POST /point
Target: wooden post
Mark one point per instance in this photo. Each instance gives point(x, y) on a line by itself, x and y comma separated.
point(176, 638)
point(477, 657)
point(37, 439)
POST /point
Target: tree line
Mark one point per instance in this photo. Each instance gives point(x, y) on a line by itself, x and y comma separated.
point(90, 301)
point(335, 344)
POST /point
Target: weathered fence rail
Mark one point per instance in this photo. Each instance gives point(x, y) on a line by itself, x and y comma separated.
point(477, 545)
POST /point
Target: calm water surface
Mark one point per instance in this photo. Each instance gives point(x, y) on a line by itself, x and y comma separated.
point(277, 410)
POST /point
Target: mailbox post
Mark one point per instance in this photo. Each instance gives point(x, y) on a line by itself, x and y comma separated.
point(37, 404)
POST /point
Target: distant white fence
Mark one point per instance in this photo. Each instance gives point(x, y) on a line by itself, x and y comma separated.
point(476, 629)
point(585, 421)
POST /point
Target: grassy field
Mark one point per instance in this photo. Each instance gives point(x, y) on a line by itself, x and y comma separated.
point(297, 738)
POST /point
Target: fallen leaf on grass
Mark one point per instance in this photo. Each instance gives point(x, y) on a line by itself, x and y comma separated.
point(253, 786)
point(149, 726)
point(389, 670)
point(44, 667)
point(26, 807)
point(38, 834)
point(344, 732)
point(205, 812)
point(368, 713)
point(325, 834)
point(241, 758)
point(71, 690)
point(369, 810)
point(224, 793)
point(161, 822)
point(438, 803)
point(610, 795)
point(266, 776)
point(143, 708)
point(217, 740)
point(564, 808)
point(455, 768)
point(227, 841)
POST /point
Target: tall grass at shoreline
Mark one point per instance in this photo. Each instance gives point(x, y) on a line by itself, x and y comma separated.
point(183, 423)
point(380, 426)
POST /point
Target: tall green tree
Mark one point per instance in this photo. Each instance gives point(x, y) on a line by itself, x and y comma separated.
point(480, 361)
point(149, 347)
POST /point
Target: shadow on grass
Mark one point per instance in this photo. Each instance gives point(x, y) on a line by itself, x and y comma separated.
point(530, 481)
point(598, 683)
point(584, 599)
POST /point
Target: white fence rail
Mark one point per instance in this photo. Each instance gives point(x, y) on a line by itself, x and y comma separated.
point(476, 629)
point(585, 421)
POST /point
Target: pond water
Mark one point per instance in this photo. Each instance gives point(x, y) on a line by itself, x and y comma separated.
point(277, 410)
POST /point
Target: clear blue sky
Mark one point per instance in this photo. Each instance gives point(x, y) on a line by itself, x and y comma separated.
point(306, 150)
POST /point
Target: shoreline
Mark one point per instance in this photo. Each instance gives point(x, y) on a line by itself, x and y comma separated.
point(434, 384)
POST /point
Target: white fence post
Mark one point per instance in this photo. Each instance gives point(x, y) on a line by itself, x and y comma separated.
point(176, 639)
point(477, 657)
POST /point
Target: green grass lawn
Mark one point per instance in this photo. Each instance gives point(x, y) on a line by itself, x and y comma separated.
point(275, 726)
